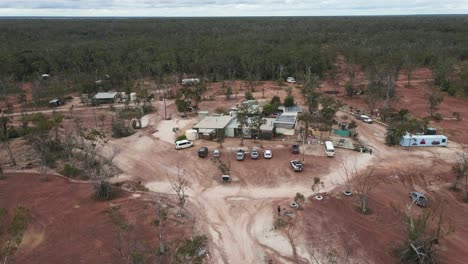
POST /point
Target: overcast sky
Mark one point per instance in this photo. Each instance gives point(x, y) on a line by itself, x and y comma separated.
point(229, 7)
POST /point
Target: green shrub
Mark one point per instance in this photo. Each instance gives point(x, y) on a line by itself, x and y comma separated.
point(437, 117)
point(70, 171)
point(119, 129)
point(190, 249)
point(183, 137)
point(452, 90)
point(103, 190)
point(248, 96)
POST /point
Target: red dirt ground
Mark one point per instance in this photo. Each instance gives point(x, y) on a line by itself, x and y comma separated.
point(68, 226)
point(334, 225)
point(413, 99)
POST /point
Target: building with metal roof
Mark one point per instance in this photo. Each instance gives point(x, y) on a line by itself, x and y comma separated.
point(105, 97)
point(210, 125)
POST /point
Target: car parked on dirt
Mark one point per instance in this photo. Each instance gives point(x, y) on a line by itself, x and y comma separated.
point(418, 198)
point(267, 154)
point(181, 144)
point(240, 155)
point(216, 153)
point(295, 149)
point(366, 119)
point(254, 154)
point(297, 165)
point(203, 152)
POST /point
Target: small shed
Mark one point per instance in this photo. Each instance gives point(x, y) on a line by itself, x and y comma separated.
point(423, 140)
point(55, 102)
point(105, 97)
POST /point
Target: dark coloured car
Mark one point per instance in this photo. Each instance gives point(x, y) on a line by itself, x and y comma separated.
point(203, 152)
point(295, 149)
point(240, 155)
point(418, 198)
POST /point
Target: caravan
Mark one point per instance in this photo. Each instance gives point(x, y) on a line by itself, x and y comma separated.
point(329, 149)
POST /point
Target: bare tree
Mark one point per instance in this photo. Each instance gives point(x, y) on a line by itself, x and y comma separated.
point(434, 98)
point(69, 144)
point(422, 232)
point(5, 137)
point(14, 237)
point(460, 171)
point(180, 187)
point(409, 68)
point(361, 182)
point(124, 227)
point(102, 118)
point(160, 225)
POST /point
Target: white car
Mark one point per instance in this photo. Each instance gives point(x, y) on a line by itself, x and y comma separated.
point(365, 119)
point(267, 154)
point(290, 80)
point(181, 144)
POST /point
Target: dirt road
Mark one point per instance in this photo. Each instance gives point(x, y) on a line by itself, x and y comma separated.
point(240, 216)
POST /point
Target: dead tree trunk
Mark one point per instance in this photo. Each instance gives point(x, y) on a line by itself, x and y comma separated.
point(12, 158)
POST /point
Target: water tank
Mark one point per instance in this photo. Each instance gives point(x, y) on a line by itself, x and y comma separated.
point(431, 131)
point(191, 134)
point(133, 97)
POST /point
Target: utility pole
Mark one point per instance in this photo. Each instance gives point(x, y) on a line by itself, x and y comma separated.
point(165, 117)
point(303, 146)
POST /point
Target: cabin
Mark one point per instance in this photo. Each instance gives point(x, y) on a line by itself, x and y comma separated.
point(210, 126)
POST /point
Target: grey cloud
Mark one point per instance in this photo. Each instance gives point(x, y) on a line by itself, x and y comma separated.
point(229, 7)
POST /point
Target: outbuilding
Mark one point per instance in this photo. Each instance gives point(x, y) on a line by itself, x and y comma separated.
point(409, 140)
point(55, 102)
point(105, 97)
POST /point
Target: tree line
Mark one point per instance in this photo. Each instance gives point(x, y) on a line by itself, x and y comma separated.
point(79, 51)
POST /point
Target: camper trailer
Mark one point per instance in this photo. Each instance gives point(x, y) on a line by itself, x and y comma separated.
point(409, 140)
point(329, 149)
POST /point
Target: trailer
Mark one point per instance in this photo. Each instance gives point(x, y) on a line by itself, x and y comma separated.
point(409, 140)
point(192, 81)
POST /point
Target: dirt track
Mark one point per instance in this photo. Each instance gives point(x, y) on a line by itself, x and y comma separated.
point(240, 216)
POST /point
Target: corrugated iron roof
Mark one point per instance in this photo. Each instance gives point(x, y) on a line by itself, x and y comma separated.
point(216, 122)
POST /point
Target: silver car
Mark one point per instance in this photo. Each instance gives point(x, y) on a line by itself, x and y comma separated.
point(254, 154)
point(216, 153)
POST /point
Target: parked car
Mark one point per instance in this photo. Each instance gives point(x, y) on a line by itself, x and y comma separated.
point(267, 154)
point(297, 165)
point(181, 144)
point(203, 152)
point(290, 80)
point(366, 119)
point(295, 149)
point(418, 198)
point(240, 155)
point(254, 154)
point(216, 153)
